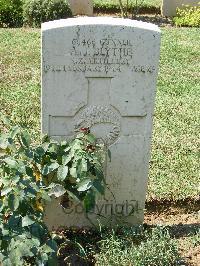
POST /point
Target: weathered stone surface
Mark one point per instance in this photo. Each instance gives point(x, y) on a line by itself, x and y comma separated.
point(81, 7)
point(169, 7)
point(101, 73)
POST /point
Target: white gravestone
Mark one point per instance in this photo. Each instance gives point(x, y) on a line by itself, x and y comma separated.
point(101, 73)
point(81, 7)
point(169, 7)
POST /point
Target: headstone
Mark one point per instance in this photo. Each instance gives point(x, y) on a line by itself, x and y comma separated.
point(81, 7)
point(101, 73)
point(169, 7)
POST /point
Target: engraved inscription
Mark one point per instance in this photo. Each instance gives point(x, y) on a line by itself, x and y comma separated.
point(143, 69)
point(100, 55)
point(113, 50)
point(91, 55)
point(96, 115)
point(104, 66)
point(100, 68)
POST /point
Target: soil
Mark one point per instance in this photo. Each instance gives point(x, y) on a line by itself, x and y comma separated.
point(182, 219)
point(141, 10)
point(150, 18)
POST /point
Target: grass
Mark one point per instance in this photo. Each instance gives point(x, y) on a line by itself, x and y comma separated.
point(154, 248)
point(138, 245)
point(121, 246)
point(20, 80)
point(174, 163)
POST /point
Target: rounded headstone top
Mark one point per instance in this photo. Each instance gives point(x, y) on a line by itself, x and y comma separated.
point(82, 21)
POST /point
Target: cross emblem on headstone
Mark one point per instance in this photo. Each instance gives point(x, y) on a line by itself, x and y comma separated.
point(99, 90)
point(97, 112)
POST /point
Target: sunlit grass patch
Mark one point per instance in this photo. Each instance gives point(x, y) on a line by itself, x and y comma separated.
point(154, 248)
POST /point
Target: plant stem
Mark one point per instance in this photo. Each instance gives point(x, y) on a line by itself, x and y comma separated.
point(122, 9)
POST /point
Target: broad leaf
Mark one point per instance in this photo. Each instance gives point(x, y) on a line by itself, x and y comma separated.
point(81, 169)
point(99, 173)
point(14, 222)
point(15, 179)
point(62, 172)
point(45, 196)
point(40, 151)
point(26, 221)
point(5, 191)
point(34, 186)
point(29, 153)
point(84, 185)
point(21, 168)
point(7, 262)
point(5, 232)
point(53, 147)
point(39, 231)
point(57, 190)
point(15, 131)
point(25, 138)
point(45, 138)
point(49, 168)
point(52, 245)
point(73, 172)
point(3, 142)
point(11, 162)
point(29, 171)
point(47, 249)
point(83, 165)
point(13, 202)
point(91, 138)
point(25, 246)
point(98, 186)
point(109, 155)
point(16, 257)
point(45, 146)
point(89, 201)
point(66, 159)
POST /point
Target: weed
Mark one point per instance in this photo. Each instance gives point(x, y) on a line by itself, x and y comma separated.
point(188, 16)
point(156, 248)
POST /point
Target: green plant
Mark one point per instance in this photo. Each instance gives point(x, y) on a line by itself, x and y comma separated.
point(29, 177)
point(195, 238)
point(11, 13)
point(106, 6)
point(134, 7)
point(127, 6)
point(38, 11)
point(23, 234)
point(188, 16)
point(154, 248)
point(113, 6)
